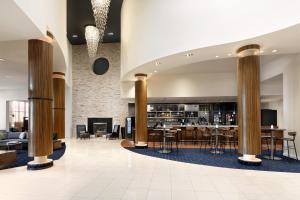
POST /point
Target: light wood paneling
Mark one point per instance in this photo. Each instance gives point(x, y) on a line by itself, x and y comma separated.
point(141, 109)
point(40, 65)
point(248, 77)
point(59, 105)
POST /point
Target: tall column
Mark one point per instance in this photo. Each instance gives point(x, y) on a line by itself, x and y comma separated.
point(248, 80)
point(40, 64)
point(59, 104)
point(141, 131)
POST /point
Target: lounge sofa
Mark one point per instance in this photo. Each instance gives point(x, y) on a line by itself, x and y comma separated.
point(14, 136)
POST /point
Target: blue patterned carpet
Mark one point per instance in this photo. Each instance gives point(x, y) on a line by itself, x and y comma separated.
point(23, 159)
point(227, 160)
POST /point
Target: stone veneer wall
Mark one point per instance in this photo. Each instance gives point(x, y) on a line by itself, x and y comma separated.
point(94, 95)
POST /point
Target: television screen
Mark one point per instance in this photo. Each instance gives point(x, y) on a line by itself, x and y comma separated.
point(268, 117)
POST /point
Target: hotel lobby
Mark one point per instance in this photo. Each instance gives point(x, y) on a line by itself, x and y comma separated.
point(149, 100)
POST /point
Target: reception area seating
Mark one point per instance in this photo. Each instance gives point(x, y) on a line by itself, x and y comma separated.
point(13, 139)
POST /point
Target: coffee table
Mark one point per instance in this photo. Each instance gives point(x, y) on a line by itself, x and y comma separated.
point(14, 145)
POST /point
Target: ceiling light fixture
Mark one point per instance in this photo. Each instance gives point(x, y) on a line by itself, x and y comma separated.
point(217, 56)
point(229, 54)
point(189, 54)
point(155, 71)
point(100, 10)
point(92, 40)
point(274, 51)
point(3, 60)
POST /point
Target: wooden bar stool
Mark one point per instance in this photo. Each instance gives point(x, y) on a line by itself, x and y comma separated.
point(154, 137)
point(291, 138)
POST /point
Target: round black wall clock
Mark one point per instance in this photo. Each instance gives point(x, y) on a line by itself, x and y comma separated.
point(100, 66)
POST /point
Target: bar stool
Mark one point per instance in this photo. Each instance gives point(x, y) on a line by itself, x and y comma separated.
point(266, 138)
point(229, 136)
point(291, 138)
point(204, 137)
point(208, 138)
point(153, 137)
point(182, 134)
point(236, 139)
point(222, 138)
point(171, 138)
point(189, 134)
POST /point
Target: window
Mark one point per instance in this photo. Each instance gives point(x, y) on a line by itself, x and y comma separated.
point(18, 113)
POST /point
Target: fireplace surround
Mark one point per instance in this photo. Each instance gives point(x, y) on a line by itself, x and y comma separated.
point(99, 123)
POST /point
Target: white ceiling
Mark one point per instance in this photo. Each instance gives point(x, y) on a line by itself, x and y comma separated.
point(15, 25)
point(210, 66)
point(16, 29)
point(275, 81)
point(13, 71)
point(285, 41)
point(224, 65)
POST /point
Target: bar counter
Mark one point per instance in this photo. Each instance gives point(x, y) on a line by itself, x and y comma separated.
point(200, 126)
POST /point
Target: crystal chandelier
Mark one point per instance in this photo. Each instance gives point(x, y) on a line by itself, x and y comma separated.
point(92, 37)
point(100, 9)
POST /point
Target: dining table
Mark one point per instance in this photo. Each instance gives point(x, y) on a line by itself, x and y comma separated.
point(216, 149)
point(164, 149)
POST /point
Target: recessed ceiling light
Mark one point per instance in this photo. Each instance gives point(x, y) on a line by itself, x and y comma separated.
point(217, 56)
point(1, 59)
point(189, 54)
point(110, 33)
point(74, 36)
point(274, 51)
point(155, 71)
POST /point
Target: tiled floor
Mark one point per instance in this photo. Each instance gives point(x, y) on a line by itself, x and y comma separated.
point(101, 169)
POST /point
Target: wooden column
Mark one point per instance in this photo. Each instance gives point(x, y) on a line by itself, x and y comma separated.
point(59, 104)
point(141, 132)
point(40, 64)
point(248, 80)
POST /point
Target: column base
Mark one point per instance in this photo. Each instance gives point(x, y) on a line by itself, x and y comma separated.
point(250, 160)
point(40, 162)
point(141, 145)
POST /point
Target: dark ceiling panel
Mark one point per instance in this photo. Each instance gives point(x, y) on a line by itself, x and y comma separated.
point(80, 14)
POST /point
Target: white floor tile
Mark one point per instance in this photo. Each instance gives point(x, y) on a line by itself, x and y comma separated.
point(100, 169)
point(159, 195)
